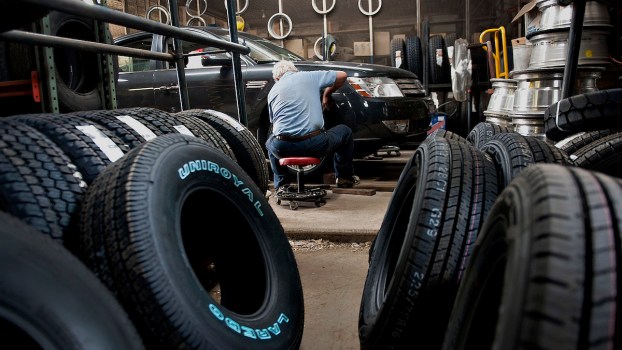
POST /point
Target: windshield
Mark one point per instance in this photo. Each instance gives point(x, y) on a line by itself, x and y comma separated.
point(263, 50)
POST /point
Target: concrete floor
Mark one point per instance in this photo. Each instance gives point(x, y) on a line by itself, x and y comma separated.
point(331, 245)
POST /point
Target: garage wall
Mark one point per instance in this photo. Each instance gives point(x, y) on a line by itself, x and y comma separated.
point(348, 24)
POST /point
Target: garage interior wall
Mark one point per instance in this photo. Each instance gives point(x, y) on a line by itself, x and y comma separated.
point(347, 23)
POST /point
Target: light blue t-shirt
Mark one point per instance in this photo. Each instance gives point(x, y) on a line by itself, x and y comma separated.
point(295, 102)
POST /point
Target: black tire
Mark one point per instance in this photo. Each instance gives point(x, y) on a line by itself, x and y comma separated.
point(441, 199)
point(439, 63)
point(603, 155)
point(513, 152)
point(448, 135)
point(398, 44)
point(574, 142)
point(129, 125)
point(173, 219)
point(50, 297)
point(77, 78)
point(414, 56)
point(483, 132)
point(248, 151)
point(545, 267)
point(39, 184)
point(586, 112)
point(90, 146)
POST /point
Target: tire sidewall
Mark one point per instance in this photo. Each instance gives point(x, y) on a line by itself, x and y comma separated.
point(166, 202)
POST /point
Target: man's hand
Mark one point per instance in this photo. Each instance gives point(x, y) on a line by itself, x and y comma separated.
point(326, 96)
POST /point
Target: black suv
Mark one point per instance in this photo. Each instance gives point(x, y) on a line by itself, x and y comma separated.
point(383, 105)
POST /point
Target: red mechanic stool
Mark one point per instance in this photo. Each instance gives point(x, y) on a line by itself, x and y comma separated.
point(299, 192)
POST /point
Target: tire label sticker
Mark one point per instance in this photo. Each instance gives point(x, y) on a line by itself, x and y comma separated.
point(237, 125)
point(264, 333)
point(139, 127)
point(105, 144)
point(207, 165)
point(182, 129)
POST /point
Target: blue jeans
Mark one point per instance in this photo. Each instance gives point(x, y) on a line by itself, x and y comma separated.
point(336, 140)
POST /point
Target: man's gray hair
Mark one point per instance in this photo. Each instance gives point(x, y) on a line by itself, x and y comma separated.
point(282, 67)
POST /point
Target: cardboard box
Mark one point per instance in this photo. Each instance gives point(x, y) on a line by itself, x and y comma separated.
point(382, 43)
point(362, 48)
point(297, 46)
point(531, 15)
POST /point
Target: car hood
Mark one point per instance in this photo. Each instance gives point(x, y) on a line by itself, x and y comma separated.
point(355, 69)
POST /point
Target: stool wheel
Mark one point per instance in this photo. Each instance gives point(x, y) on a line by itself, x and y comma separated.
point(293, 205)
point(320, 202)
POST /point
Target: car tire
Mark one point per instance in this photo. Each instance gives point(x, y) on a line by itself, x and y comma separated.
point(574, 142)
point(441, 199)
point(173, 219)
point(585, 112)
point(414, 56)
point(544, 268)
point(248, 151)
point(398, 44)
point(49, 297)
point(90, 146)
point(439, 62)
point(77, 80)
point(483, 132)
point(39, 184)
point(603, 155)
point(448, 135)
point(513, 152)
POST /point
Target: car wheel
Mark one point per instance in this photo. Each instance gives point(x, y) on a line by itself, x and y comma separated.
point(49, 299)
point(441, 199)
point(193, 249)
point(544, 269)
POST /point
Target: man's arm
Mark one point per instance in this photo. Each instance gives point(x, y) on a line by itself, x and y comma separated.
point(339, 81)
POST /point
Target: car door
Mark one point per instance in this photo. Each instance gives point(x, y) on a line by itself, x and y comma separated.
point(135, 74)
point(209, 80)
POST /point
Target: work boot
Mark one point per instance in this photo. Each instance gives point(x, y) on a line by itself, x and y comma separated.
point(348, 182)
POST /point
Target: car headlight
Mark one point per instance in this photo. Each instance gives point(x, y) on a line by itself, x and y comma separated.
point(375, 87)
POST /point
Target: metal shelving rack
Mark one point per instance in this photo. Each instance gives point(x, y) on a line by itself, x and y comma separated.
point(103, 14)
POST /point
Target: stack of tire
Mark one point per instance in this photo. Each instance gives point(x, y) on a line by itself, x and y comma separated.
point(411, 51)
point(496, 240)
point(155, 231)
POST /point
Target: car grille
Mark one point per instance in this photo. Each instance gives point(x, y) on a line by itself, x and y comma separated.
point(410, 87)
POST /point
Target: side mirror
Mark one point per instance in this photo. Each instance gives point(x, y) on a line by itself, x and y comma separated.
point(207, 61)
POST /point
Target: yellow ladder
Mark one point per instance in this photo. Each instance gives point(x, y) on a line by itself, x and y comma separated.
point(496, 54)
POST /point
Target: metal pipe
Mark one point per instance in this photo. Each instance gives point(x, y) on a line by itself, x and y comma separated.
point(418, 5)
point(467, 19)
point(184, 101)
point(325, 53)
point(371, 34)
point(237, 66)
point(109, 15)
point(90, 46)
point(574, 44)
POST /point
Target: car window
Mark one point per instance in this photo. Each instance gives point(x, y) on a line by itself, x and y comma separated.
point(135, 64)
point(195, 52)
point(262, 50)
